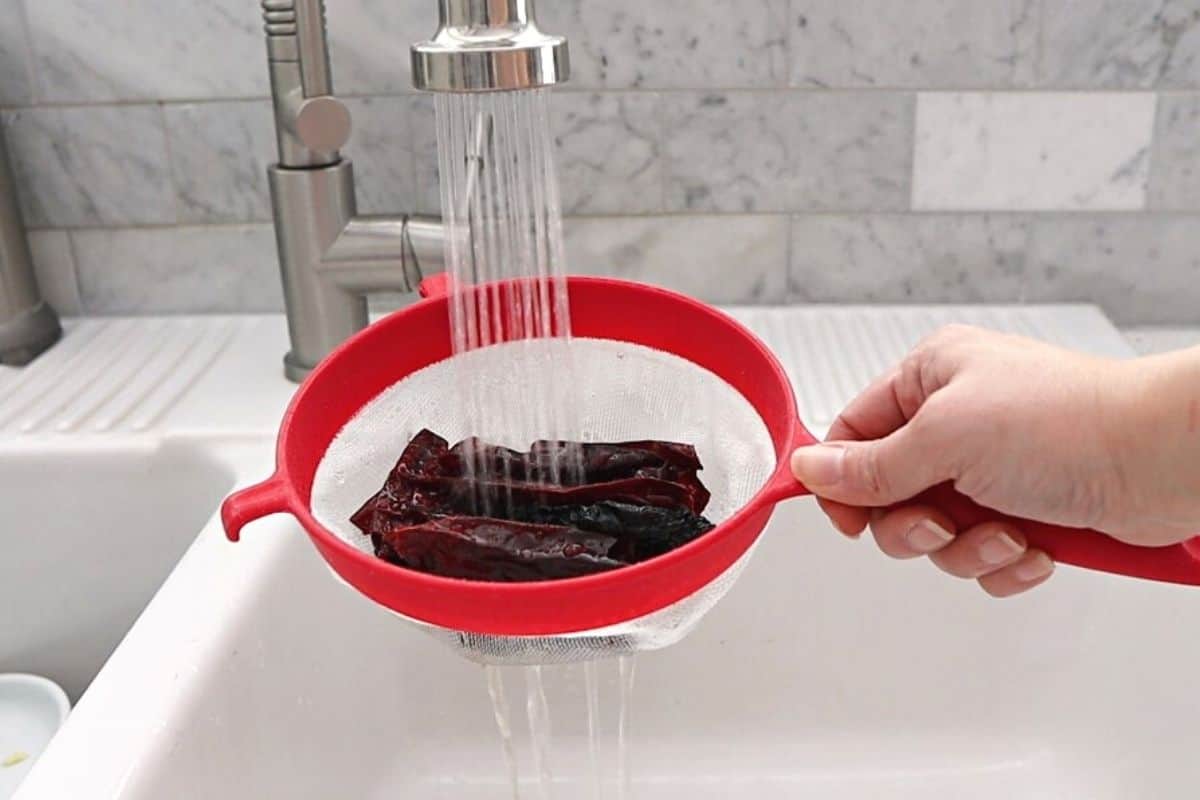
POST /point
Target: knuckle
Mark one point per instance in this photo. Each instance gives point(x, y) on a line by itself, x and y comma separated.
point(890, 542)
point(952, 562)
point(872, 474)
point(911, 386)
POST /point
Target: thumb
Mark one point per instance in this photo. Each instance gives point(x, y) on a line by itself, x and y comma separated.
point(875, 473)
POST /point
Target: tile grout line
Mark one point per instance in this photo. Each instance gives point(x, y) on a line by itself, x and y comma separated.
point(815, 90)
point(1032, 261)
point(1156, 126)
point(1144, 213)
point(36, 91)
point(914, 126)
point(73, 252)
point(789, 294)
point(1149, 148)
point(660, 134)
point(789, 42)
point(172, 177)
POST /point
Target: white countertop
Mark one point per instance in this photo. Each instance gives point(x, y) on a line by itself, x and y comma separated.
point(222, 374)
point(1149, 340)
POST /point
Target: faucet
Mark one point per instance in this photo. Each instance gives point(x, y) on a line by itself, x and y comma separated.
point(28, 325)
point(331, 257)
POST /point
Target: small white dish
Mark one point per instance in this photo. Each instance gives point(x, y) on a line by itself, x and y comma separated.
point(32, 709)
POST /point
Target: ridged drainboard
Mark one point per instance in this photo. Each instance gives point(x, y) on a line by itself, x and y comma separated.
point(112, 374)
point(832, 352)
point(123, 375)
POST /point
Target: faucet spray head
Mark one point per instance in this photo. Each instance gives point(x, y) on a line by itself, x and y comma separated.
point(488, 46)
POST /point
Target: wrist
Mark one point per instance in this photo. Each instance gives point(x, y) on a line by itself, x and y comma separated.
point(1154, 418)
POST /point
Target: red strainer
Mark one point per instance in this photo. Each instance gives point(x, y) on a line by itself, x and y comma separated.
point(597, 614)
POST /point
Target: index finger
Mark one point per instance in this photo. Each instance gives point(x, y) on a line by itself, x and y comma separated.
point(873, 414)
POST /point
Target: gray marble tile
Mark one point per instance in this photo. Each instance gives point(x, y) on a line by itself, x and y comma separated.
point(1034, 151)
point(608, 152)
point(787, 151)
point(88, 51)
point(606, 149)
point(213, 268)
point(1120, 44)
point(100, 165)
point(919, 44)
point(1175, 165)
point(381, 147)
point(1142, 269)
point(55, 267)
point(672, 43)
point(735, 259)
point(16, 74)
point(369, 39)
point(219, 156)
point(424, 146)
point(908, 258)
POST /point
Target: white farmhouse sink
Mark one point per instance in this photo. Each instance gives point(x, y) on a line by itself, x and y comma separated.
point(90, 532)
point(827, 672)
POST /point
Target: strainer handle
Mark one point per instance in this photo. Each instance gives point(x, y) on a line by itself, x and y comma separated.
point(253, 502)
point(783, 484)
point(1179, 563)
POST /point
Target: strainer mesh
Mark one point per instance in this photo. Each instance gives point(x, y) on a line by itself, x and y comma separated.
point(624, 392)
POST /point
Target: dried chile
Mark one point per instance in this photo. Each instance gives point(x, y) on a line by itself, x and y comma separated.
point(562, 509)
point(500, 550)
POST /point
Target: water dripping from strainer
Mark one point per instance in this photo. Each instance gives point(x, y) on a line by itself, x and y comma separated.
point(503, 715)
point(608, 688)
point(591, 688)
point(625, 666)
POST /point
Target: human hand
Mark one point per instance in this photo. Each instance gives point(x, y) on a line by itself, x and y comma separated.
point(1021, 427)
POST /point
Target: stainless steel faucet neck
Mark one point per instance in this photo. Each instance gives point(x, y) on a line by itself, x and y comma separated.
point(311, 124)
point(330, 258)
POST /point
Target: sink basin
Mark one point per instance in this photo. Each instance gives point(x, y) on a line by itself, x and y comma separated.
point(828, 671)
point(91, 532)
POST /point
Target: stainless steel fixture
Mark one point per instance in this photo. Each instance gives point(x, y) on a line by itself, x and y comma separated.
point(488, 45)
point(330, 257)
point(28, 325)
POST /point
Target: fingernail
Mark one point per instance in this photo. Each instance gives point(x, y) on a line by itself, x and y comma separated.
point(1034, 569)
point(927, 536)
point(999, 549)
point(818, 465)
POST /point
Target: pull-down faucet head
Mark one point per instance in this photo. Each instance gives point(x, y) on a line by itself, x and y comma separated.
point(487, 46)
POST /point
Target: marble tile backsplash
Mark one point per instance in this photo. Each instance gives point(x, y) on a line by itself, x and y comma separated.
point(177, 270)
point(1032, 151)
point(745, 151)
point(918, 45)
point(906, 258)
point(787, 151)
point(92, 165)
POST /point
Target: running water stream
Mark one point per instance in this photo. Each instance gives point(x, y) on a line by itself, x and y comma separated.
point(507, 269)
point(505, 261)
point(608, 687)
